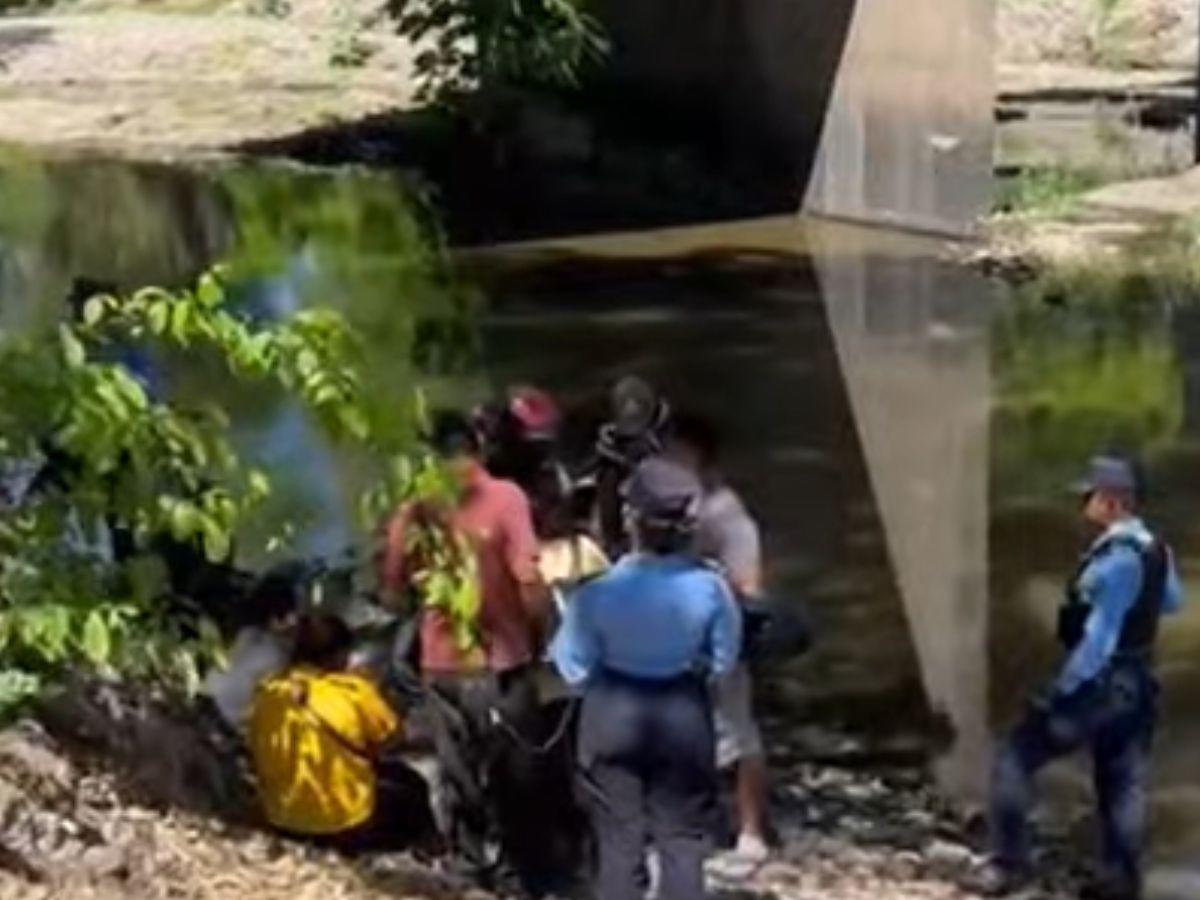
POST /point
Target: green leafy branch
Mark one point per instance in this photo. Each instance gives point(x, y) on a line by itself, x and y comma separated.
point(125, 462)
point(490, 46)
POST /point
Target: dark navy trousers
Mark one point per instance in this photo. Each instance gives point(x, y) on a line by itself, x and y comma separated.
point(647, 759)
point(1113, 718)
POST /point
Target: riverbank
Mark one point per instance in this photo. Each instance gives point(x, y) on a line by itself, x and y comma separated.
point(154, 86)
point(83, 826)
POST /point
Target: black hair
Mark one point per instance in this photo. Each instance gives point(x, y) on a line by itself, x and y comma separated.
point(453, 434)
point(663, 538)
point(322, 641)
point(279, 593)
point(84, 289)
point(698, 433)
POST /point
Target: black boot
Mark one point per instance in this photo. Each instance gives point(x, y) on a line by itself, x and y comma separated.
point(1111, 889)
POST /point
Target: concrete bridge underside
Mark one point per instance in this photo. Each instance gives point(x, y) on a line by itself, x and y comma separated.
point(879, 110)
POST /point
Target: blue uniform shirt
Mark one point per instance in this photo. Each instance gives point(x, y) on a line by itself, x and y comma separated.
point(1111, 585)
point(649, 617)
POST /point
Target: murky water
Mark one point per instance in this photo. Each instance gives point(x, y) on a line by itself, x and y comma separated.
point(901, 428)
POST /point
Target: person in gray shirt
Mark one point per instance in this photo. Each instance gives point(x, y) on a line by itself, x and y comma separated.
point(727, 535)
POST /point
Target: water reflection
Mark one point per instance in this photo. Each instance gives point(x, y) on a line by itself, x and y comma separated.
point(291, 238)
point(1092, 370)
point(911, 335)
point(904, 431)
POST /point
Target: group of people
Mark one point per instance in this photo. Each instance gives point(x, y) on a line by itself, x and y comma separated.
point(620, 575)
point(630, 578)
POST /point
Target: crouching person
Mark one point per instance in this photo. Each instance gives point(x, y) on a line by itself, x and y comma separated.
point(642, 642)
point(317, 736)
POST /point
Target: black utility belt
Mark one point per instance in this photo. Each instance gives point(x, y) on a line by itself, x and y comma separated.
point(653, 683)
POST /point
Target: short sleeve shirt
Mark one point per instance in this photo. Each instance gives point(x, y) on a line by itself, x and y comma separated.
point(727, 534)
point(495, 518)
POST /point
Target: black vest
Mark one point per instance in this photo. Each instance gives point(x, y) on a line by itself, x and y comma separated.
point(1140, 629)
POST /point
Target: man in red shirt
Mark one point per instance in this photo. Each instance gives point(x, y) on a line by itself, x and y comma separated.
point(480, 696)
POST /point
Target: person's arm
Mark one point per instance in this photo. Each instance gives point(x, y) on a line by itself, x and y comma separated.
point(741, 555)
point(393, 564)
point(379, 722)
point(725, 634)
point(609, 509)
point(575, 650)
point(1116, 582)
point(521, 555)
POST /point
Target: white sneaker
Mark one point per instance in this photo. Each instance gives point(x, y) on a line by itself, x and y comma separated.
point(654, 873)
point(742, 862)
point(752, 847)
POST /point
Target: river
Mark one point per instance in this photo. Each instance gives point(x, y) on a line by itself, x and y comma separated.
point(902, 427)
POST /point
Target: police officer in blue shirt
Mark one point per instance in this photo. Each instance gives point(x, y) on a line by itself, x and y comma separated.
point(641, 643)
point(1104, 698)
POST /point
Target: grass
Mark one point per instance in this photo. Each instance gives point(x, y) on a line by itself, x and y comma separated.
point(1044, 192)
point(1161, 266)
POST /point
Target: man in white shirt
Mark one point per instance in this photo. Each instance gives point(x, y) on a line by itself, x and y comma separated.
point(729, 536)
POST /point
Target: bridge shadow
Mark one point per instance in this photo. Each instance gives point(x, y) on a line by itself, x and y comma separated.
point(719, 121)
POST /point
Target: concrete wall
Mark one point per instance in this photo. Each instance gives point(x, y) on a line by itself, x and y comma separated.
point(908, 135)
point(878, 109)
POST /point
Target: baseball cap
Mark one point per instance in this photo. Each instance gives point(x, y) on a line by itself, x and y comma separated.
point(662, 489)
point(535, 410)
point(1109, 473)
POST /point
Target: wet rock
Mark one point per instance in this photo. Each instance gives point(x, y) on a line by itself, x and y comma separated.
point(103, 861)
point(947, 860)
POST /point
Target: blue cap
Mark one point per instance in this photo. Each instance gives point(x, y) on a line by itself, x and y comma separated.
point(1109, 473)
point(662, 489)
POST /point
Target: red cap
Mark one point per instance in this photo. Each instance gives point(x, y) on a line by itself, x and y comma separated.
point(535, 410)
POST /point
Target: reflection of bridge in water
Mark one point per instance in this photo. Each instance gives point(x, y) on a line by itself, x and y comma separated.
point(851, 371)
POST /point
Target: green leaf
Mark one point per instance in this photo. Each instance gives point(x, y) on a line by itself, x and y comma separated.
point(307, 363)
point(158, 316)
point(181, 317)
point(354, 420)
point(112, 399)
point(130, 390)
point(185, 520)
point(72, 348)
point(260, 485)
point(94, 310)
point(16, 688)
point(97, 641)
point(325, 395)
point(217, 540)
point(209, 291)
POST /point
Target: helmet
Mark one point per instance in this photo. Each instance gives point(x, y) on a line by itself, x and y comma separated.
point(635, 406)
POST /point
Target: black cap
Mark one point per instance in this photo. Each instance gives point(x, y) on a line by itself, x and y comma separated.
point(662, 489)
point(1109, 473)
